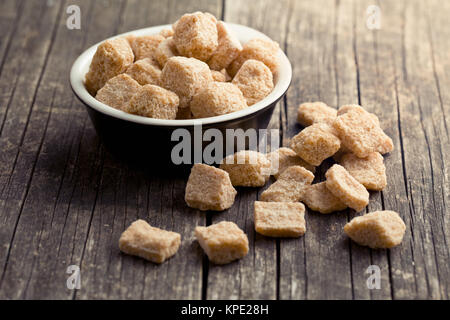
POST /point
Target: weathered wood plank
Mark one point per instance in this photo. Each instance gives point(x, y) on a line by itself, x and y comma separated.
point(254, 277)
point(423, 141)
point(316, 266)
point(126, 194)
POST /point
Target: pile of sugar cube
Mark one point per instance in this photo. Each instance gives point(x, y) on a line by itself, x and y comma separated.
point(351, 135)
point(196, 69)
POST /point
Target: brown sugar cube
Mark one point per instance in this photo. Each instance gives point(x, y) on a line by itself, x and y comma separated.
point(145, 71)
point(145, 46)
point(369, 171)
point(154, 102)
point(216, 99)
point(165, 50)
point(195, 35)
point(280, 219)
point(315, 143)
point(318, 198)
point(289, 186)
point(218, 76)
point(112, 57)
point(360, 132)
point(255, 80)
point(346, 188)
point(247, 168)
point(222, 242)
point(283, 158)
point(315, 112)
point(185, 77)
point(166, 33)
point(118, 91)
point(263, 50)
point(378, 230)
point(227, 50)
point(209, 188)
point(153, 244)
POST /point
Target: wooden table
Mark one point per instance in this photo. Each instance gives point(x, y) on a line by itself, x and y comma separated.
point(64, 200)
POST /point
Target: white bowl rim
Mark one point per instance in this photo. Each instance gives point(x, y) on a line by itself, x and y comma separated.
point(244, 34)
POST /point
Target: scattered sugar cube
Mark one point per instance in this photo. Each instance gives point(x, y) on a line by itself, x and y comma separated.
point(195, 35)
point(369, 171)
point(318, 198)
point(263, 50)
point(280, 219)
point(145, 46)
point(185, 77)
point(118, 91)
point(247, 168)
point(289, 186)
point(165, 50)
point(360, 132)
point(112, 57)
point(255, 80)
point(315, 112)
point(379, 229)
point(315, 143)
point(145, 71)
point(222, 242)
point(227, 50)
point(209, 188)
point(153, 244)
point(283, 158)
point(218, 76)
point(154, 102)
point(217, 98)
point(341, 183)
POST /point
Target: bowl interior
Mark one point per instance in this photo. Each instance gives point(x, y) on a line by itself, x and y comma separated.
point(244, 34)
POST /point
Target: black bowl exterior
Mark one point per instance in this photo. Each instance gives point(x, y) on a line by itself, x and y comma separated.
point(151, 145)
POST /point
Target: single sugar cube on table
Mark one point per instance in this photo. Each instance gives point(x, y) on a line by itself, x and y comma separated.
point(222, 242)
point(145, 71)
point(263, 50)
point(280, 219)
point(165, 50)
point(118, 91)
point(216, 99)
point(247, 168)
point(185, 77)
point(145, 46)
point(315, 143)
point(377, 230)
point(360, 132)
point(369, 171)
point(154, 102)
point(209, 188)
point(195, 35)
point(111, 58)
point(283, 158)
point(255, 80)
point(315, 112)
point(289, 186)
point(318, 198)
point(153, 244)
point(346, 188)
point(227, 50)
